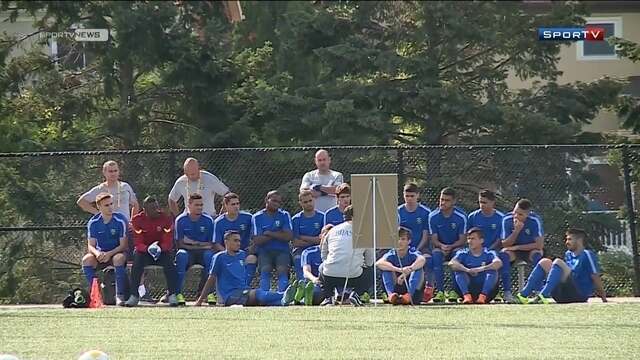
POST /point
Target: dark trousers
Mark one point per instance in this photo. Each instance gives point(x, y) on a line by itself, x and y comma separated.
point(165, 260)
point(329, 283)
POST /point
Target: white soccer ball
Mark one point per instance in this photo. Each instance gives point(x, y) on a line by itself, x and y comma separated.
point(94, 355)
point(8, 357)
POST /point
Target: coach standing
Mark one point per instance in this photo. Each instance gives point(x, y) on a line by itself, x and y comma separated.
point(323, 181)
point(196, 181)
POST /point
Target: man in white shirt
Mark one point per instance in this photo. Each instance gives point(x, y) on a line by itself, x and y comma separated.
point(340, 261)
point(323, 181)
point(198, 181)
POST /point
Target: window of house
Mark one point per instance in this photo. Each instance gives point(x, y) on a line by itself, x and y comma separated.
point(600, 50)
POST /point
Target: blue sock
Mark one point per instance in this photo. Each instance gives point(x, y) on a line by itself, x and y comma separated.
point(121, 278)
point(182, 260)
point(438, 272)
point(269, 298)
point(251, 272)
point(387, 281)
point(265, 280)
point(534, 282)
point(207, 258)
point(490, 281)
point(89, 274)
point(414, 281)
point(283, 281)
point(535, 257)
point(505, 271)
point(428, 270)
point(554, 278)
point(462, 280)
point(297, 265)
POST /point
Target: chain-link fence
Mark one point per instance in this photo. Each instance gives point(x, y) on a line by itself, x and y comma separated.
point(43, 237)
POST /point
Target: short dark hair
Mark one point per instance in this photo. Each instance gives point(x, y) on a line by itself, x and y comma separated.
point(228, 233)
point(476, 229)
point(343, 188)
point(229, 196)
point(149, 199)
point(524, 204)
point(348, 213)
point(272, 193)
point(578, 233)
point(402, 231)
point(487, 194)
point(449, 192)
point(411, 187)
point(194, 196)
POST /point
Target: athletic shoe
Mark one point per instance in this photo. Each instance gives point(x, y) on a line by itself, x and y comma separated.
point(180, 300)
point(120, 300)
point(147, 299)
point(354, 299)
point(440, 297)
point(300, 287)
point(393, 298)
point(405, 299)
point(172, 300)
point(365, 298)
point(385, 298)
point(327, 302)
point(482, 299)
point(428, 294)
point(133, 301)
point(520, 299)
point(165, 298)
point(540, 299)
point(211, 299)
point(308, 293)
point(467, 299)
point(289, 293)
point(453, 297)
point(508, 298)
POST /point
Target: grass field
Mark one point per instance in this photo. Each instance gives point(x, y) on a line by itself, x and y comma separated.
point(582, 331)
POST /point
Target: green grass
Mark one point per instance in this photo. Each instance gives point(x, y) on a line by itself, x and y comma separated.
point(476, 332)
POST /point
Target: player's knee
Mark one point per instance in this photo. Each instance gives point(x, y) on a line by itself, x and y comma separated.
point(182, 254)
point(559, 262)
point(251, 259)
point(119, 259)
point(545, 262)
point(89, 260)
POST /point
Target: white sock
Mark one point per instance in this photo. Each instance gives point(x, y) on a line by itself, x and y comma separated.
point(142, 290)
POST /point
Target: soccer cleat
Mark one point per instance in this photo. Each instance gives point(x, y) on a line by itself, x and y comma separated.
point(300, 287)
point(146, 299)
point(120, 301)
point(289, 293)
point(405, 299)
point(308, 293)
point(354, 299)
point(467, 299)
point(211, 299)
point(508, 298)
point(180, 300)
point(440, 297)
point(164, 299)
point(393, 298)
point(428, 294)
point(133, 301)
point(385, 298)
point(482, 299)
point(540, 299)
point(172, 300)
point(327, 302)
point(365, 298)
point(453, 297)
point(520, 299)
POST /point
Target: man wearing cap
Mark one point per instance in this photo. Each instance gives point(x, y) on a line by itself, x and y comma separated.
point(322, 181)
point(196, 181)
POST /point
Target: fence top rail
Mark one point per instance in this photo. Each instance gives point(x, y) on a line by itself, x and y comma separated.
point(311, 148)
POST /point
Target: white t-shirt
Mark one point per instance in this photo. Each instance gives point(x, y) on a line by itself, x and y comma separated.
point(208, 185)
point(333, 178)
point(122, 193)
point(340, 259)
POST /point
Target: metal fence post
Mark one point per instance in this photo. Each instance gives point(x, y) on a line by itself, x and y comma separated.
point(631, 214)
point(402, 177)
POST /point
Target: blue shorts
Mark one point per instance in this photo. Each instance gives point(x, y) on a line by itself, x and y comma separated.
point(568, 292)
point(238, 297)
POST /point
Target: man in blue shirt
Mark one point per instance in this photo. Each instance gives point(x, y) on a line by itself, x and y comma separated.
point(235, 219)
point(106, 244)
point(447, 227)
point(488, 219)
point(335, 215)
point(402, 273)
point(522, 238)
point(476, 270)
point(311, 260)
point(414, 216)
point(272, 235)
point(228, 273)
point(573, 279)
point(194, 237)
point(307, 225)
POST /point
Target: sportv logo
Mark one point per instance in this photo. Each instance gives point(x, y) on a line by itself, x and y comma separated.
point(589, 33)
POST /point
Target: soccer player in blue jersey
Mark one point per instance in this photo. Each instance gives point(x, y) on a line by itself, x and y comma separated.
point(488, 219)
point(414, 216)
point(194, 237)
point(272, 235)
point(306, 226)
point(402, 273)
point(335, 215)
point(228, 273)
point(522, 238)
point(447, 227)
point(476, 270)
point(235, 219)
point(311, 260)
point(106, 244)
point(573, 279)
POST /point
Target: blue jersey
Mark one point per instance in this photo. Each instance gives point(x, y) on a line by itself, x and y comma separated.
point(416, 221)
point(334, 216)
point(400, 262)
point(307, 226)
point(262, 222)
point(449, 228)
point(583, 265)
point(107, 235)
point(531, 230)
point(466, 258)
point(311, 256)
point(229, 272)
point(242, 224)
point(491, 226)
point(198, 230)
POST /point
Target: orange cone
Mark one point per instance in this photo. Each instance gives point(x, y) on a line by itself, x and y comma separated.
point(96, 295)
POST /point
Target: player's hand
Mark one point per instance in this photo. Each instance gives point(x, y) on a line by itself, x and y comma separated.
point(100, 256)
point(400, 279)
point(406, 270)
point(316, 281)
point(107, 257)
point(509, 248)
point(517, 225)
point(473, 272)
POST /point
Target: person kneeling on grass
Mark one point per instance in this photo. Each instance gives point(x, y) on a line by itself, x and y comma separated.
point(570, 280)
point(311, 260)
point(476, 270)
point(228, 273)
point(402, 272)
